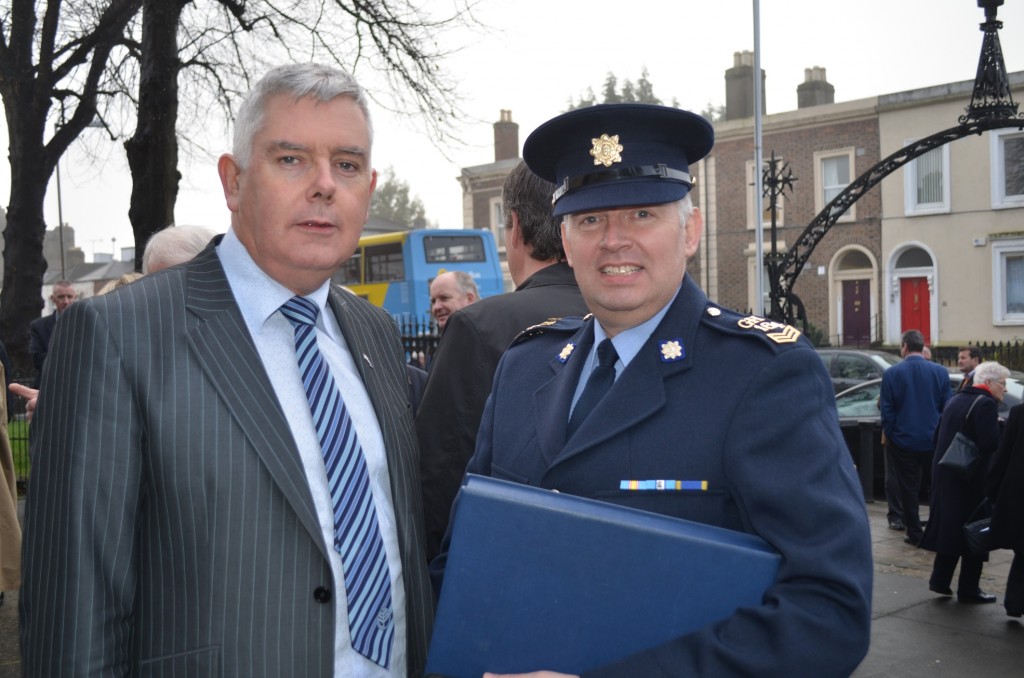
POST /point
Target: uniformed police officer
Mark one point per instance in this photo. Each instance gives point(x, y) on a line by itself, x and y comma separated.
point(691, 392)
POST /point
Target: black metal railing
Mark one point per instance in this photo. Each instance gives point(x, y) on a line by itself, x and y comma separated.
point(419, 337)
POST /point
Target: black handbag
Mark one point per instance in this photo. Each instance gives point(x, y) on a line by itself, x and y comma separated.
point(977, 529)
point(962, 455)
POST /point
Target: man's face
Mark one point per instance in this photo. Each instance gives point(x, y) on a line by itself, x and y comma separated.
point(629, 262)
point(300, 206)
point(446, 298)
point(965, 362)
point(62, 297)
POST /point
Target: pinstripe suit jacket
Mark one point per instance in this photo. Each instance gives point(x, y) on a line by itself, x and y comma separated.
point(170, 529)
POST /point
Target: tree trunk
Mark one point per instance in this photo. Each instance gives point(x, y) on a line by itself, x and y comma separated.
point(153, 150)
point(24, 265)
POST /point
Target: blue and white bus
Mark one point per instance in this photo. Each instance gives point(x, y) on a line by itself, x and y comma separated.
point(394, 270)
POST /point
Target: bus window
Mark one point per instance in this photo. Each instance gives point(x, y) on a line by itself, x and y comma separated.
point(351, 271)
point(445, 249)
point(384, 263)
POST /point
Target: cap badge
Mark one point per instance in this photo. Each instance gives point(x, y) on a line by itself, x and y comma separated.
point(606, 150)
point(566, 352)
point(672, 350)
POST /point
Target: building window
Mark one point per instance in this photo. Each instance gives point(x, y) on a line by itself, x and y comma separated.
point(498, 221)
point(1007, 152)
point(832, 172)
point(926, 182)
point(1008, 282)
point(766, 204)
point(384, 263)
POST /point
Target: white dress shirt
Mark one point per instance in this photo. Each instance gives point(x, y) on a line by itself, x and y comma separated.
point(260, 297)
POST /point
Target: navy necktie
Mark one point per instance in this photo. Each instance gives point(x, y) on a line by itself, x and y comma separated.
point(601, 379)
point(356, 531)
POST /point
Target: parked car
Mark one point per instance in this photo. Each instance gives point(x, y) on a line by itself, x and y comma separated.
point(849, 367)
point(861, 401)
point(858, 410)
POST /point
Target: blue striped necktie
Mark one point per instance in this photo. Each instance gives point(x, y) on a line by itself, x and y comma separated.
point(356, 532)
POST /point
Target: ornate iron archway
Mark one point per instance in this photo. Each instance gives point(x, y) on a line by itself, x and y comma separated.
point(992, 107)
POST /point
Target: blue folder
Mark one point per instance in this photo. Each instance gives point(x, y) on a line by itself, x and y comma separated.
point(541, 580)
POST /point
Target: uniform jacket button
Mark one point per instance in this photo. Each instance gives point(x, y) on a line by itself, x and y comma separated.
point(322, 594)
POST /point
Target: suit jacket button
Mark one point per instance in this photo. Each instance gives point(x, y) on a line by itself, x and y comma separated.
point(322, 594)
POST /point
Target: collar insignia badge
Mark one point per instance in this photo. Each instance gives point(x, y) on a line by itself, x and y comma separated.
point(606, 150)
point(566, 352)
point(672, 351)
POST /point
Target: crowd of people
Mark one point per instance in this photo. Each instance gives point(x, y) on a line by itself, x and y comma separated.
point(921, 418)
point(232, 438)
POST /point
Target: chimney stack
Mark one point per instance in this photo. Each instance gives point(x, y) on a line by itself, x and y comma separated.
point(739, 87)
point(815, 90)
point(506, 138)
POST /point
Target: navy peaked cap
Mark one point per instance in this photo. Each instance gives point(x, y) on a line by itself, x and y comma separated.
point(617, 155)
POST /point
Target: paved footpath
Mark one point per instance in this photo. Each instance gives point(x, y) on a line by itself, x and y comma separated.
point(914, 633)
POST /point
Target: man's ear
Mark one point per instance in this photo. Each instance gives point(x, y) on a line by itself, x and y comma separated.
point(230, 180)
point(565, 244)
point(515, 233)
point(694, 228)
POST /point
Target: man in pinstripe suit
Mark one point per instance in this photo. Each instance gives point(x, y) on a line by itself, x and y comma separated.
point(179, 517)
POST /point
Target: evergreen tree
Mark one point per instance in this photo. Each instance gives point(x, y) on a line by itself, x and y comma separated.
point(391, 201)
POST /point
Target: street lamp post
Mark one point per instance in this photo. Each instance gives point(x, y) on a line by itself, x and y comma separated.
point(60, 226)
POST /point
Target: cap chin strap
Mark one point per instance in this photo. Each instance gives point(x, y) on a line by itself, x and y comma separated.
point(660, 170)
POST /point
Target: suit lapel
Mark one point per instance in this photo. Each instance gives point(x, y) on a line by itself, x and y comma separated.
point(640, 390)
point(221, 343)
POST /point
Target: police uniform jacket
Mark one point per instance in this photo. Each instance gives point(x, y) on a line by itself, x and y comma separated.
point(741, 403)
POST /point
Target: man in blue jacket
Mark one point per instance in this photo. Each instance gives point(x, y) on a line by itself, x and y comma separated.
point(660, 384)
point(913, 395)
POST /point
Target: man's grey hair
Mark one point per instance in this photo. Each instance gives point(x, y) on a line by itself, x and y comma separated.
point(174, 245)
point(990, 371)
point(298, 81)
point(465, 283)
point(914, 340)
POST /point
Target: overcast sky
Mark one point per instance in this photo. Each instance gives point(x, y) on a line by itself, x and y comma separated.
point(539, 53)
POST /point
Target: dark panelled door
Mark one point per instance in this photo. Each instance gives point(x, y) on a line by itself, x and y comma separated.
point(856, 313)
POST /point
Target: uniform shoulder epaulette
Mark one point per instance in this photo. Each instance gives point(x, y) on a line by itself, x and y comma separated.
point(552, 325)
point(776, 334)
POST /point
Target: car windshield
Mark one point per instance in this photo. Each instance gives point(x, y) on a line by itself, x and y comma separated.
point(859, 401)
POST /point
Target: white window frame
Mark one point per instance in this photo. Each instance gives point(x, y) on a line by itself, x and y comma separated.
point(910, 204)
point(1001, 251)
point(819, 181)
point(780, 219)
point(496, 214)
point(997, 156)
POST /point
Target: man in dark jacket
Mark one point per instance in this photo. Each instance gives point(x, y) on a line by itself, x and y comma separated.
point(41, 329)
point(913, 395)
point(476, 336)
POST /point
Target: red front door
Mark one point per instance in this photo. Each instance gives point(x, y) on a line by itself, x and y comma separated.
point(856, 313)
point(915, 306)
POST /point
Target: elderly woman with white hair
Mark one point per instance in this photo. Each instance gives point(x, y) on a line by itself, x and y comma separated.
point(973, 411)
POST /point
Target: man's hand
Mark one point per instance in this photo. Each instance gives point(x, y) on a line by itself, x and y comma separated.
point(29, 394)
